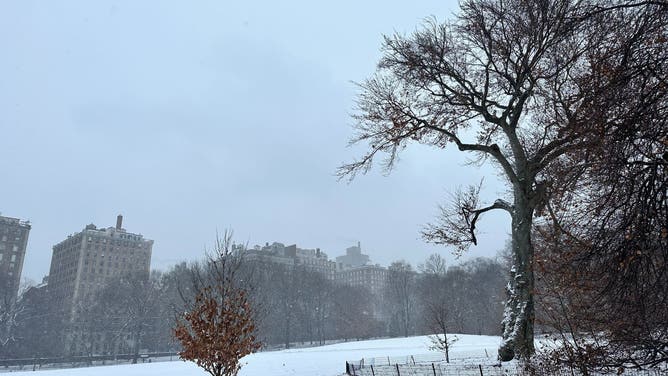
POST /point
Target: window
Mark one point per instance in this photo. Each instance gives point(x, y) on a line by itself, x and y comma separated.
point(4, 238)
point(13, 259)
point(15, 248)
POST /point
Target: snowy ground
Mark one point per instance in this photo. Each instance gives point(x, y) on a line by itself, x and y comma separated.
point(316, 361)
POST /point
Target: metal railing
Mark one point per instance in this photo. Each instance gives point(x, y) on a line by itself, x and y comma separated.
point(84, 360)
point(435, 365)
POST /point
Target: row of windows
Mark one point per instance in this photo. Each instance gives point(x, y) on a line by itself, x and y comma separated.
point(15, 248)
point(102, 247)
point(128, 240)
point(111, 264)
point(5, 238)
point(98, 239)
point(11, 259)
point(117, 255)
point(12, 265)
point(99, 275)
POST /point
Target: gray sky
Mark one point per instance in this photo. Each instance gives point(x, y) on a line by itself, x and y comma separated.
point(189, 117)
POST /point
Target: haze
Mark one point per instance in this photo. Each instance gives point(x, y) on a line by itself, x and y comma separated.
point(193, 117)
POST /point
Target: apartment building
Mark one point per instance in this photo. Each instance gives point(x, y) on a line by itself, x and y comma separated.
point(86, 260)
point(13, 243)
point(292, 256)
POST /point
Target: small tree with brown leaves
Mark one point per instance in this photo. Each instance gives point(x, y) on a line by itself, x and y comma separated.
point(218, 331)
point(218, 327)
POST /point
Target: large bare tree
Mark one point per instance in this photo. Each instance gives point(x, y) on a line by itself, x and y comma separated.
point(520, 83)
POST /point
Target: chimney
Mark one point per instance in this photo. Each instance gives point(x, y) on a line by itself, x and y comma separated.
point(119, 222)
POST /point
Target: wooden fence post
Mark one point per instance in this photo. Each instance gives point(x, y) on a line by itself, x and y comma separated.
point(398, 373)
point(372, 372)
point(480, 368)
point(433, 367)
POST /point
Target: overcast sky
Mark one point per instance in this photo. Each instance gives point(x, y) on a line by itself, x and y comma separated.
point(189, 117)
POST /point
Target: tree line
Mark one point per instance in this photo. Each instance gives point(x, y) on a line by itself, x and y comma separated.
point(292, 306)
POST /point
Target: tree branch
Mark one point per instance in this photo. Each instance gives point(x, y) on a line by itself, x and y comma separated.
point(492, 150)
point(498, 204)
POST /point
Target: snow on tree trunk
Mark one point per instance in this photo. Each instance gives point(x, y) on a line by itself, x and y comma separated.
point(518, 316)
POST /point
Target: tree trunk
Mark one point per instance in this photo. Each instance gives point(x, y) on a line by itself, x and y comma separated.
point(518, 316)
point(287, 332)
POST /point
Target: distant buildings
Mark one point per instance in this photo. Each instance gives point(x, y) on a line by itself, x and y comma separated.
point(308, 259)
point(352, 269)
point(353, 258)
point(373, 277)
point(85, 261)
point(13, 242)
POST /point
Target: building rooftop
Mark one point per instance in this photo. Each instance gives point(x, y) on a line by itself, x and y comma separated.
point(14, 221)
point(110, 231)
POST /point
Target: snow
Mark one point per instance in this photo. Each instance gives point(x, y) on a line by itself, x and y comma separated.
point(315, 361)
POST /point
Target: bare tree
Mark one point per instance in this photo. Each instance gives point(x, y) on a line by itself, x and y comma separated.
point(131, 303)
point(353, 313)
point(438, 305)
point(40, 327)
point(10, 313)
point(434, 265)
point(518, 82)
point(86, 330)
point(401, 295)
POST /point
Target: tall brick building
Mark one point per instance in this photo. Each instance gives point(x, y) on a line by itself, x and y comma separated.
point(13, 243)
point(86, 260)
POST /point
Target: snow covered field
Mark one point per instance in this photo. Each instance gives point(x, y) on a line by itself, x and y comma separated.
point(316, 361)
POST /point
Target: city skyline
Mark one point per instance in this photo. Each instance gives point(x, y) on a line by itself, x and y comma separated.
point(36, 262)
point(383, 260)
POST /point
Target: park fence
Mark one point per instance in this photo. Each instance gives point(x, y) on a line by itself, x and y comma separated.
point(37, 363)
point(433, 365)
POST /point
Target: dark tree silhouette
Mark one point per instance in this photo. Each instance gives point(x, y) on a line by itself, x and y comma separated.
point(606, 244)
